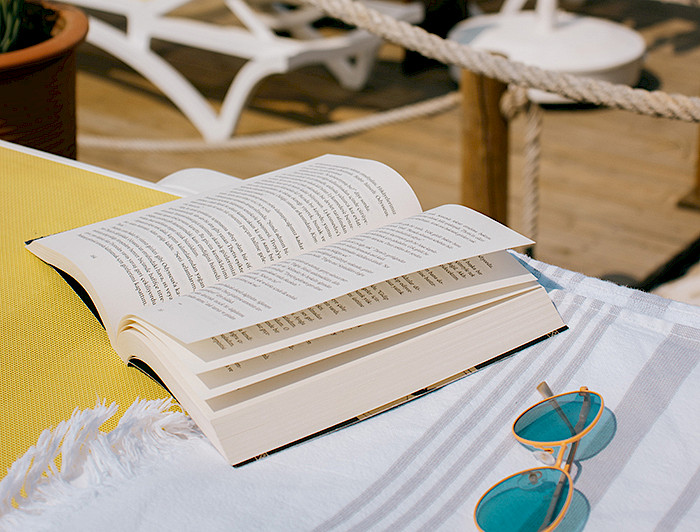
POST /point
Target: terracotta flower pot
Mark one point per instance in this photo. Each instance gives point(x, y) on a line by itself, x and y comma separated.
point(37, 87)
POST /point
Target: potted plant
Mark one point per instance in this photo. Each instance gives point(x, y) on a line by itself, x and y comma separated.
point(38, 39)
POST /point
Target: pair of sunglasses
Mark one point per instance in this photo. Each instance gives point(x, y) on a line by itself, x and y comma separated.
point(538, 499)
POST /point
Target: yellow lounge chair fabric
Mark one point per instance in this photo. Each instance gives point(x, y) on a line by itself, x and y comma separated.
point(54, 355)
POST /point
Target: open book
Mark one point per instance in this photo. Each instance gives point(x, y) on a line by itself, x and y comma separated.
point(292, 302)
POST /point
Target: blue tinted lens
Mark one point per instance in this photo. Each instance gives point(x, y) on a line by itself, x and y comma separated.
point(522, 502)
point(558, 418)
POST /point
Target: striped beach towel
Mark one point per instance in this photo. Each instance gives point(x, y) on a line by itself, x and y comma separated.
point(424, 465)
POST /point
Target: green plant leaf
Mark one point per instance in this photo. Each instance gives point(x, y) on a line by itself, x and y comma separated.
point(11, 12)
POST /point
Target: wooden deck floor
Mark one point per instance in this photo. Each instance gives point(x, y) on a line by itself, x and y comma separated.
point(610, 180)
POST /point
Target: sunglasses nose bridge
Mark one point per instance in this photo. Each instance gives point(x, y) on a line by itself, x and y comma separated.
point(551, 455)
point(560, 455)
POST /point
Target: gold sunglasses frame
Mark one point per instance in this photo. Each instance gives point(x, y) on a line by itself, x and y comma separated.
point(549, 447)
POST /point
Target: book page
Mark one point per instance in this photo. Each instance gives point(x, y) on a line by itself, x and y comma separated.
point(157, 254)
point(247, 372)
point(391, 297)
point(439, 236)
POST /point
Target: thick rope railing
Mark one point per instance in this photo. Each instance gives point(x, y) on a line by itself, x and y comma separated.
point(514, 102)
point(305, 134)
point(579, 89)
point(531, 171)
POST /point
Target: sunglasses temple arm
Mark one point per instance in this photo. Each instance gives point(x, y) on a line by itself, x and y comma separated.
point(585, 408)
point(546, 392)
point(560, 486)
point(583, 415)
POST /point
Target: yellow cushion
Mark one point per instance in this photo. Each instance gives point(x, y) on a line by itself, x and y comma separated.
point(54, 355)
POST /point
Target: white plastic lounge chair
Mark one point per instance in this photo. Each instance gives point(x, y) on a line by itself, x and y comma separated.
point(349, 56)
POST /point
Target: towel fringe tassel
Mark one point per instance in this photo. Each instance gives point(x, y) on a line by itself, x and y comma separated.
point(88, 457)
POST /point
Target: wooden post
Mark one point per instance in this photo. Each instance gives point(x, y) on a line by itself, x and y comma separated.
point(692, 199)
point(484, 146)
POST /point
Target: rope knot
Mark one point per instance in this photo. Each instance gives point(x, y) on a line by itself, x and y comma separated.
point(514, 101)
